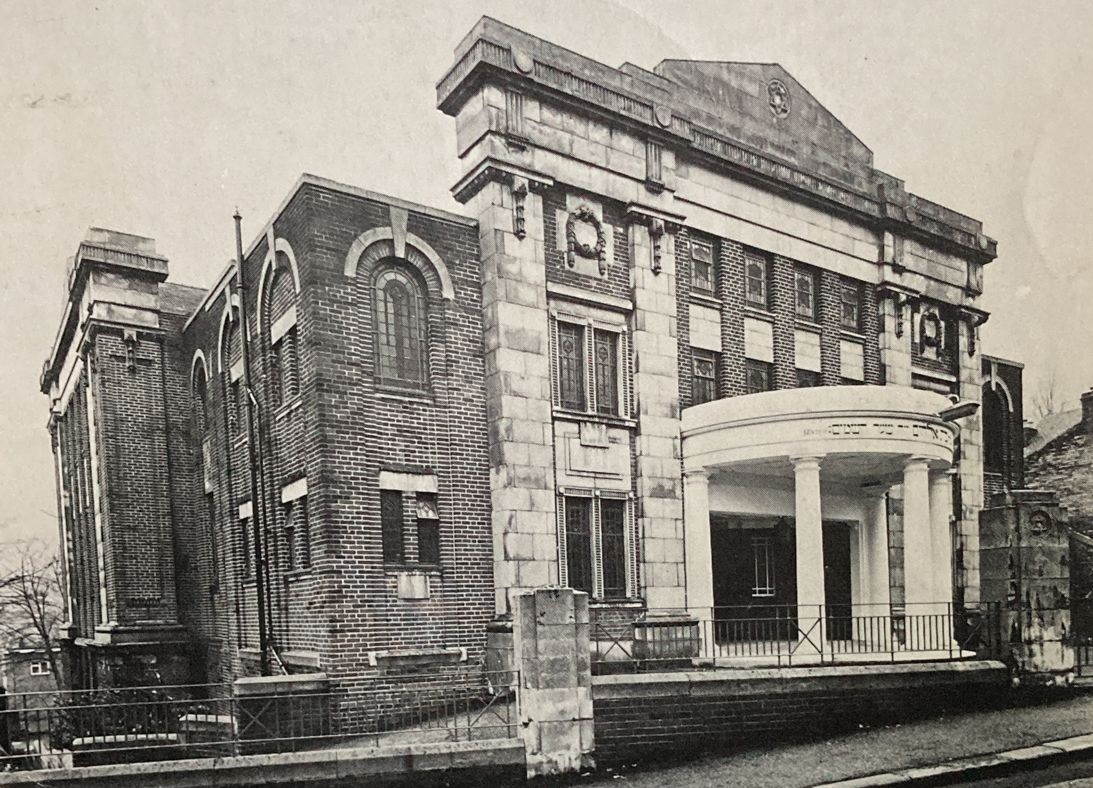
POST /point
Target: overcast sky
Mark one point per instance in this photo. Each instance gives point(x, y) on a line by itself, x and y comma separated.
point(158, 118)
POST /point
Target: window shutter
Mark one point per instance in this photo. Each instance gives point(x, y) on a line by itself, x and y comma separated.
point(590, 367)
point(597, 550)
point(563, 563)
point(555, 373)
point(626, 371)
point(632, 549)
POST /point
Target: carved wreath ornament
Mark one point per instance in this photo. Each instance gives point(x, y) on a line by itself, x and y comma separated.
point(576, 227)
point(930, 331)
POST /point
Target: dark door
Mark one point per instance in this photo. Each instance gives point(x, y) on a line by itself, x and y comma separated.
point(837, 580)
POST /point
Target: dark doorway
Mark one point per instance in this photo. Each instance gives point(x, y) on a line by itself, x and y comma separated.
point(837, 593)
point(754, 578)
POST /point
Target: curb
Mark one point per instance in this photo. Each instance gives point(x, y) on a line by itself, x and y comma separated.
point(978, 766)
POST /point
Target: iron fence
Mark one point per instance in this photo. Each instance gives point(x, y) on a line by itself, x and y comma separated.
point(784, 635)
point(124, 725)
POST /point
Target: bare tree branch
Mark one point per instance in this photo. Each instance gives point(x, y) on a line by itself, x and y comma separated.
point(1045, 401)
point(31, 599)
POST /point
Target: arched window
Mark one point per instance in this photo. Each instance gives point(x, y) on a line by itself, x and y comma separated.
point(996, 429)
point(279, 307)
point(401, 329)
point(201, 400)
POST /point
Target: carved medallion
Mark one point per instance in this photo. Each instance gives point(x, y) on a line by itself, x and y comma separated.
point(930, 331)
point(778, 98)
point(585, 238)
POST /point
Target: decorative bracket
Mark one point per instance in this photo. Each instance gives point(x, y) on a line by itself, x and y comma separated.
point(519, 198)
point(658, 223)
point(130, 339)
point(901, 297)
point(974, 318)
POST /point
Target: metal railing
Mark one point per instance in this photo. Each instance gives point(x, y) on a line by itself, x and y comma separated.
point(783, 635)
point(137, 724)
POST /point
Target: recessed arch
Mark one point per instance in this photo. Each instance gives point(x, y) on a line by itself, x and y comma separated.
point(996, 384)
point(268, 265)
point(379, 234)
point(198, 358)
point(226, 319)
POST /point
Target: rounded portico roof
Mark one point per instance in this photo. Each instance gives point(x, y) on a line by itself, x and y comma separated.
point(859, 431)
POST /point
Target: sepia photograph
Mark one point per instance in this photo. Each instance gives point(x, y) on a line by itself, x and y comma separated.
point(481, 393)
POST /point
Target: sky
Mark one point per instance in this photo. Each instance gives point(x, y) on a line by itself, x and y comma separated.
point(160, 118)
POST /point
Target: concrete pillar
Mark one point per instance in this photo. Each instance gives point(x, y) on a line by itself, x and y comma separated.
point(808, 522)
point(878, 589)
point(918, 552)
point(941, 507)
point(551, 638)
point(696, 505)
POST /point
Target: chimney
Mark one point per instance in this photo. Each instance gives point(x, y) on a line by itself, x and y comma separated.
point(1087, 411)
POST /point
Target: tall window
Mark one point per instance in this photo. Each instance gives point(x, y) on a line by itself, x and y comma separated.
point(571, 366)
point(284, 368)
point(850, 298)
point(584, 351)
point(201, 400)
point(246, 554)
point(613, 546)
point(702, 267)
point(805, 286)
point(297, 534)
point(428, 529)
point(757, 376)
point(401, 331)
point(391, 526)
point(596, 543)
point(763, 561)
point(756, 273)
point(237, 414)
point(704, 376)
point(578, 542)
point(606, 344)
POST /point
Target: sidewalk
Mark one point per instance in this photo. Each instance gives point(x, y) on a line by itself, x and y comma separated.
point(881, 751)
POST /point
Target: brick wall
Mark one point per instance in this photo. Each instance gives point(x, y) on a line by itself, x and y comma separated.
point(646, 717)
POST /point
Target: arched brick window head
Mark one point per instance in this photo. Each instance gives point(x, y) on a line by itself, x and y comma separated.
point(401, 328)
point(201, 400)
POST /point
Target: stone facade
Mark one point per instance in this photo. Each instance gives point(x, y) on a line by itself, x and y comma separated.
point(636, 244)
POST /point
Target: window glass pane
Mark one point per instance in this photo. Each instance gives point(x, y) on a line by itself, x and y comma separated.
point(704, 381)
point(702, 267)
point(851, 306)
point(763, 559)
point(290, 365)
point(571, 366)
point(613, 545)
point(428, 529)
point(400, 329)
point(807, 378)
point(276, 374)
point(806, 293)
point(755, 280)
point(244, 547)
point(578, 543)
point(303, 526)
point(391, 525)
point(758, 377)
point(607, 371)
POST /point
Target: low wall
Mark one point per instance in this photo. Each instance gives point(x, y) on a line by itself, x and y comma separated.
point(456, 763)
point(643, 715)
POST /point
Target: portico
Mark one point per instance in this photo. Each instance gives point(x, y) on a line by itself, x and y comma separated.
point(787, 497)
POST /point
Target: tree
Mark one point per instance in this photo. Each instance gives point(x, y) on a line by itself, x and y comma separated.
point(31, 590)
point(1046, 399)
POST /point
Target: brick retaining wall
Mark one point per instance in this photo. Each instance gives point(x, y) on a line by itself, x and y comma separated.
point(645, 715)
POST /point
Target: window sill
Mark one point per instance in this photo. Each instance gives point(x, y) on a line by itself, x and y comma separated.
point(856, 336)
point(703, 298)
point(433, 570)
point(598, 418)
point(759, 314)
point(282, 411)
point(807, 325)
point(407, 395)
point(296, 575)
point(627, 603)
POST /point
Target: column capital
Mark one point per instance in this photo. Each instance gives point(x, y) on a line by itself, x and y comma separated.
point(874, 491)
point(915, 463)
point(806, 462)
point(696, 474)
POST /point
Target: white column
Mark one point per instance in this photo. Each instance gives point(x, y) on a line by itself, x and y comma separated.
point(876, 626)
point(877, 557)
point(918, 545)
point(696, 535)
point(808, 523)
point(941, 507)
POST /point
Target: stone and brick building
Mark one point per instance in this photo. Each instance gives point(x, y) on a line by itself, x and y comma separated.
point(688, 351)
